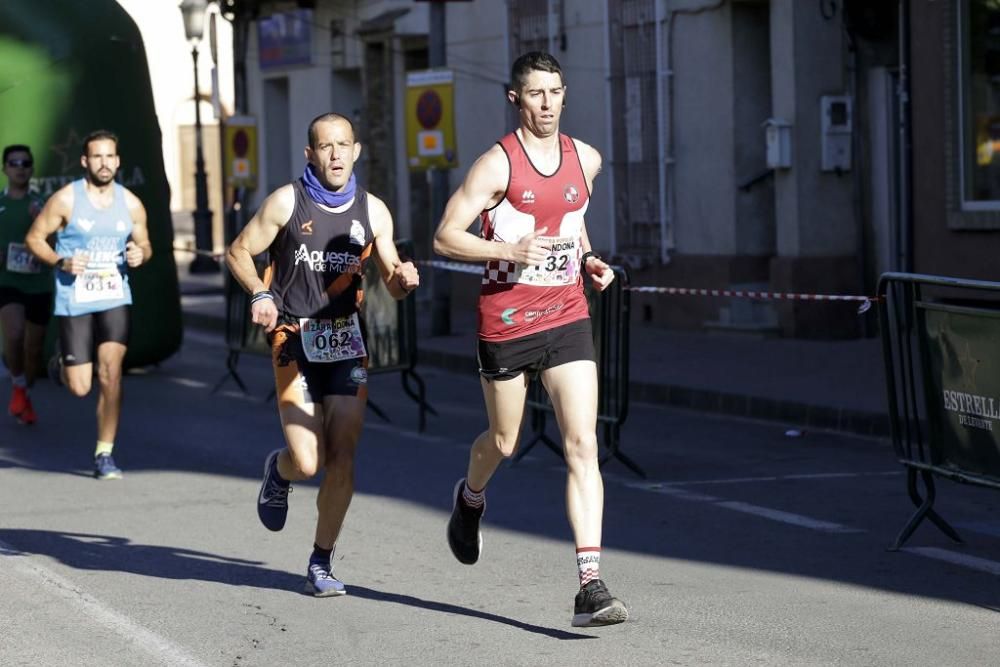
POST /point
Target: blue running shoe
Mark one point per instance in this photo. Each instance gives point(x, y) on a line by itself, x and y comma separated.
point(321, 583)
point(272, 501)
point(105, 468)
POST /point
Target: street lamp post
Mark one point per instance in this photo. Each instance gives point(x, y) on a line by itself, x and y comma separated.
point(194, 27)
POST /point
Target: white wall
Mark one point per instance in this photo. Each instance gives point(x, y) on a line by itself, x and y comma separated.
point(171, 73)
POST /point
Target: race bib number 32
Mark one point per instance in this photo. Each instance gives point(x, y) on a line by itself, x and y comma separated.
point(560, 267)
point(20, 260)
point(99, 285)
point(325, 341)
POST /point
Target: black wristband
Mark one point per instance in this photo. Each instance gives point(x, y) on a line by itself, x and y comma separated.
point(261, 295)
point(587, 255)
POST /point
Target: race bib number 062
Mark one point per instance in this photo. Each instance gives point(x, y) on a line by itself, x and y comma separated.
point(328, 340)
point(560, 267)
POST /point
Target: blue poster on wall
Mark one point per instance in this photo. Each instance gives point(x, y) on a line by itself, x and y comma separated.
point(285, 38)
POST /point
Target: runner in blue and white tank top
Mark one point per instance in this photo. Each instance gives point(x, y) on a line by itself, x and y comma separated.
point(101, 233)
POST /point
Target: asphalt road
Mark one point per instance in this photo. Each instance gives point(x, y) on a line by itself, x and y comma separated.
point(744, 545)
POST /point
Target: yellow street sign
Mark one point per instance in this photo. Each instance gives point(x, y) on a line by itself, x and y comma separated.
point(430, 120)
point(239, 148)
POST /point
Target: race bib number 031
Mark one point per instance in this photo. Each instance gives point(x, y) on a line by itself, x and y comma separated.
point(560, 267)
point(325, 341)
point(20, 260)
point(99, 285)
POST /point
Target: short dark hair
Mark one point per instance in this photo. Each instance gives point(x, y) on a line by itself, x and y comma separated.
point(327, 117)
point(15, 148)
point(530, 62)
point(97, 135)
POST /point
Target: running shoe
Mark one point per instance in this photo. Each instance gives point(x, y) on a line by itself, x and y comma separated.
point(321, 583)
point(18, 401)
point(595, 606)
point(27, 415)
point(54, 368)
point(272, 501)
point(105, 468)
point(464, 536)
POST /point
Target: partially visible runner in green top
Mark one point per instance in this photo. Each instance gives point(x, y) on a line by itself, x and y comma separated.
point(25, 283)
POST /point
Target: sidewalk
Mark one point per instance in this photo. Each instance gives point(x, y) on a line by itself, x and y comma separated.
point(836, 385)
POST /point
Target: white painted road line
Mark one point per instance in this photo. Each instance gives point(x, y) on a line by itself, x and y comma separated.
point(779, 478)
point(991, 528)
point(788, 517)
point(162, 650)
point(673, 490)
point(972, 562)
point(187, 382)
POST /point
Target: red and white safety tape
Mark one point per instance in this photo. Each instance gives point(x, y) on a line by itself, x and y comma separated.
point(864, 301)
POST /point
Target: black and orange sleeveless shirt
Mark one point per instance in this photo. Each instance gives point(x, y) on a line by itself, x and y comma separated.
point(318, 259)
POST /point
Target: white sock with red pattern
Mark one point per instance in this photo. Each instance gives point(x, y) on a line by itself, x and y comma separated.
point(475, 499)
point(588, 562)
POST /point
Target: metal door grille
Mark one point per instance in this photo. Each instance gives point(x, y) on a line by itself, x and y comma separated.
point(635, 138)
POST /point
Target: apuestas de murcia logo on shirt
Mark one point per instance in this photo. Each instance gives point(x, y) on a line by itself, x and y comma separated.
point(328, 262)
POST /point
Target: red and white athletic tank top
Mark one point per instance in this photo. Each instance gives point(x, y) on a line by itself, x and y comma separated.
point(517, 300)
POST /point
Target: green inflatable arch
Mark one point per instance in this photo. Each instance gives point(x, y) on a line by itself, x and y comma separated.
point(69, 67)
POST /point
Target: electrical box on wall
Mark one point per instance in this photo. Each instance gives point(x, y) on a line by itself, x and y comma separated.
point(778, 140)
point(836, 128)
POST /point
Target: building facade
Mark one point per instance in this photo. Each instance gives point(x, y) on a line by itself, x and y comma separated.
point(748, 144)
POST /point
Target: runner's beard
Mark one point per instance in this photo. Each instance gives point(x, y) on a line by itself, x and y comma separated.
point(98, 179)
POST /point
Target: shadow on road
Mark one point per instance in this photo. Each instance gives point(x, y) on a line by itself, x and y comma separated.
point(84, 551)
point(444, 607)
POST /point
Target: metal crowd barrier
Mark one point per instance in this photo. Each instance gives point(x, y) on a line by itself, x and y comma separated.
point(609, 315)
point(940, 341)
point(392, 336)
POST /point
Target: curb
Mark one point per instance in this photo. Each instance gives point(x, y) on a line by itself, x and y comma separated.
point(792, 413)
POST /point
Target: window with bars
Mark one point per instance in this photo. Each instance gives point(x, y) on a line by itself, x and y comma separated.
point(635, 142)
point(530, 28)
point(980, 103)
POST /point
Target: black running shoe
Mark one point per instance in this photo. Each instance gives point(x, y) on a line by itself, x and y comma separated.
point(54, 369)
point(272, 501)
point(595, 606)
point(464, 536)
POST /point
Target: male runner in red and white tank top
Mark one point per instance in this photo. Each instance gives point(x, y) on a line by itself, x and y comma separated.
point(531, 191)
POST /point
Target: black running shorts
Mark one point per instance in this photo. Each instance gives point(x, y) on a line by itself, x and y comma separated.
point(80, 335)
point(537, 352)
point(37, 307)
point(299, 381)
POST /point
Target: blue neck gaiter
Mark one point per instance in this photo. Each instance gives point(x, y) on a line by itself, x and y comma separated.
point(321, 195)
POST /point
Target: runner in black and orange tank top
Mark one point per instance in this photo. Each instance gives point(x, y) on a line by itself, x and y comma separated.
point(531, 191)
point(320, 231)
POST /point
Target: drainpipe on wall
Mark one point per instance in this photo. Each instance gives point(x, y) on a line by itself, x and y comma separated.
point(608, 127)
point(668, 160)
point(902, 241)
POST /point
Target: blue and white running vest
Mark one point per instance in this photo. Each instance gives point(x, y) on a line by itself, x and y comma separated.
point(102, 234)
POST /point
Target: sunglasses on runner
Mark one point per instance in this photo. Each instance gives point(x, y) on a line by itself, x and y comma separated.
point(20, 163)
